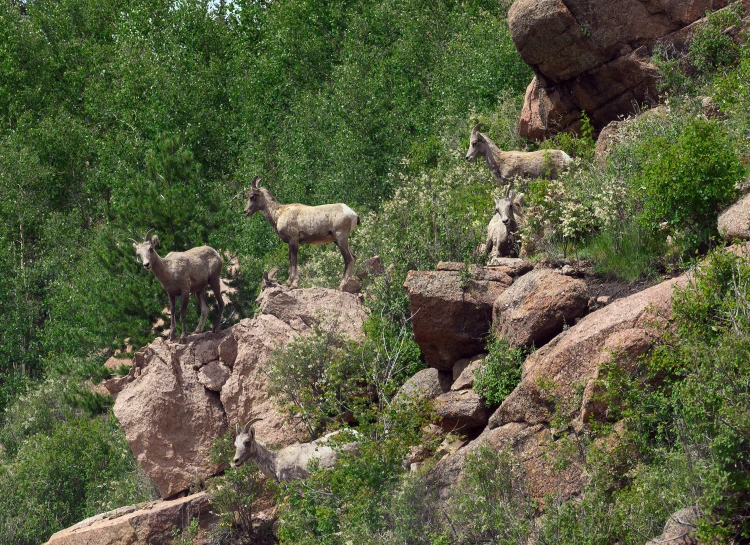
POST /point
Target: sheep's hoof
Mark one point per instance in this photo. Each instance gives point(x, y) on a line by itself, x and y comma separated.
point(171, 336)
point(183, 339)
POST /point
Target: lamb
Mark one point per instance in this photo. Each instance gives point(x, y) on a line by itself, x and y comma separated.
point(502, 231)
point(287, 464)
point(183, 273)
point(301, 224)
point(506, 165)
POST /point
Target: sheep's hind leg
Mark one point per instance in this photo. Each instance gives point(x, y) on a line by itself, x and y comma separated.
point(349, 260)
point(216, 288)
point(201, 297)
point(293, 278)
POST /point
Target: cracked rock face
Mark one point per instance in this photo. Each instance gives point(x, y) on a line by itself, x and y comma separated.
point(594, 56)
point(179, 398)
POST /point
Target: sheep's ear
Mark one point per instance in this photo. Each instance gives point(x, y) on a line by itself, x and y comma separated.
point(512, 195)
point(135, 246)
point(521, 199)
point(154, 241)
point(255, 182)
point(497, 201)
point(237, 429)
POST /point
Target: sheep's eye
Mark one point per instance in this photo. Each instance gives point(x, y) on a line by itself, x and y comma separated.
point(247, 442)
point(475, 142)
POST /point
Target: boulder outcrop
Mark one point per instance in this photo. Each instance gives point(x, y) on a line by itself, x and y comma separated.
point(179, 398)
point(619, 332)
point(538, 306)
point(426, 384)
point(680, 528)
point(576, 355)
point(594, 56)
point(151, 523)
point(734, 222)
point(452, 308)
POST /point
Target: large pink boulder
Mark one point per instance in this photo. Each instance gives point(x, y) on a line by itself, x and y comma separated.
point(170, 419)
point(452, 308)
point(575, 356)
point(179, 398)
point(538, 306)
point(594, 56)
point(152, 523)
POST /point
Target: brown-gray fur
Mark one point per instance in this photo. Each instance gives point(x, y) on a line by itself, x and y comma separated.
point(301, 224)
point(183, 273)
point(506, 165)
point(502, 231)
point(287, 464)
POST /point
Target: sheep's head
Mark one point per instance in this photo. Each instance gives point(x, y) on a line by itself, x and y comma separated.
point(477, 145)
point(244, 443)
point(256, 200)
point(145, 250)
point(509, 206)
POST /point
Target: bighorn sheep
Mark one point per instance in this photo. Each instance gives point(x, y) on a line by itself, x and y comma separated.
point(506, 165)
point(183, 273)
point(502, 239)
point(287, 464)
point(301, 224)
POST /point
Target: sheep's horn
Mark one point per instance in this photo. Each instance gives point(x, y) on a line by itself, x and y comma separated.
point(149, 232)
point(507, 190)
point(134, 240)
point(253, 421)
point(477, 127)
point(272, 273)
point(255, 181)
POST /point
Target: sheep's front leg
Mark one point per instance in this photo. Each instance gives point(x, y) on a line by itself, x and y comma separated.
point(172, 321)
point(293, 248)
point(201, 297)
point(349, 260)
point(184, 300)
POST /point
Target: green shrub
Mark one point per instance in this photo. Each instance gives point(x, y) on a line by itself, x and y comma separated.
point(233, 495)
point(491, 502)
point(81, 468)
point(350, 502)
point(687, 182)
point(500, 372)
point(314, 379)
point(713, 49)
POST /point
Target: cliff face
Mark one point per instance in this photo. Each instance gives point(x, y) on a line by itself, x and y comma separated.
point(595, 56)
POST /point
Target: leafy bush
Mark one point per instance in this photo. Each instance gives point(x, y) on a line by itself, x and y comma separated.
point(689, 181)
point(234, 493)
point(500, 372)
point(315, 381)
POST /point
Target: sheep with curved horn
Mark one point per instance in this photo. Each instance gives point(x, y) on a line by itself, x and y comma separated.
point(183, 273)
point(287, 464)
point(301, 224)
point(506, 165)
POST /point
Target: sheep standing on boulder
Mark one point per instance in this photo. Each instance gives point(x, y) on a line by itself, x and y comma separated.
point(287, 464)
point(502, 231)
point(506, 165)
point(301, 224)
point(183, 273)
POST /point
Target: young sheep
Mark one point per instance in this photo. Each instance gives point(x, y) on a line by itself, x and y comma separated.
point(183, 273)
point(506, 165)
point(287, 464)
point(502, 231)
point(301, 224)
